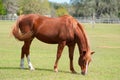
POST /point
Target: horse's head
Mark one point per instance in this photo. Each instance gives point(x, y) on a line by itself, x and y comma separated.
point(84, 60)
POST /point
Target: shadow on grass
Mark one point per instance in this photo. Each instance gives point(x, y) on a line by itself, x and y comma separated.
point(39, 69)
point(9, 68)
point(51, 70)
point(60, 71)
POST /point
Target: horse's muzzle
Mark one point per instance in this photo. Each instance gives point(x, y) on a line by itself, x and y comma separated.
point(83, 73)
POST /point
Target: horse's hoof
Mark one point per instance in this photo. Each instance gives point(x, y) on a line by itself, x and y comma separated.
point(56, 70)
point(21, 67)
point(83, 73)
point(32, 69)
point(74, 72)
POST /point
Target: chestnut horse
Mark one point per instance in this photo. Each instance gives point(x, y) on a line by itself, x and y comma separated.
point(64, 30)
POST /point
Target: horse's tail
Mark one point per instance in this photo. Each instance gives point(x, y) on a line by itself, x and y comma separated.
point(17, 32)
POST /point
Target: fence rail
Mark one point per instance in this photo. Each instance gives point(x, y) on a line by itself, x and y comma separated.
point(8, 17)
point(100, 20)
point(81, 19)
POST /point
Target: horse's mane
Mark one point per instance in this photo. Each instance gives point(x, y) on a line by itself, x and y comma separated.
point(85, 43)
point(84, 33)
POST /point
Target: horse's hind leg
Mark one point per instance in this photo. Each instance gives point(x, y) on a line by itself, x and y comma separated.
point(22, 60)
point(61, 45)
point(25, 51)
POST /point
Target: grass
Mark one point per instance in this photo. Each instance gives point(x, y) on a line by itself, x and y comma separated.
point(104, 40)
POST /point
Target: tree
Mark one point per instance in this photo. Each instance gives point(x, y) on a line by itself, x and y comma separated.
point(61, 11)
point(101, 8)
point(118, 5)
point(106, 8)
point(11, 6)
point(83, 7)
point(34, 6)
point(2, 8)
point(58, 9)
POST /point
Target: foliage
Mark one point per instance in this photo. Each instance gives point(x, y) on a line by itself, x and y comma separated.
point(27, 6)
point(101, 8)
point(34, 6)
point(58, 9)
point(2, 8)
point(11, 6)
point(61, 11)
point(83, 7)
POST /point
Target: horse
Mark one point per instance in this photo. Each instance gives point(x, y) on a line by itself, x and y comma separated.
point(64, 31)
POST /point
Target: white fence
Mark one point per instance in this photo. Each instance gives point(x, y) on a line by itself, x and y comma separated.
point(100, 20)
point(81, 19)
point(8, 17)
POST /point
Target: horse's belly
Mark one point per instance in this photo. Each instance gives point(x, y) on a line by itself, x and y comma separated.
point(48, 39)
point(52, 36)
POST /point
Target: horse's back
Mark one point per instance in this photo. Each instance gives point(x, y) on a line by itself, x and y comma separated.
point(53, 30)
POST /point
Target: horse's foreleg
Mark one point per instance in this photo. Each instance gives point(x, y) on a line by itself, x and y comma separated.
point(71, 54)
point(25, 51)
point(61, 46)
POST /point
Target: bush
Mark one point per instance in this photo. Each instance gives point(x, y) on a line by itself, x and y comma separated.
point(61, 11)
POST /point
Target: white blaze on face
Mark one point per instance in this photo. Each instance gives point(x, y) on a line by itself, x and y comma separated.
point(86, 67)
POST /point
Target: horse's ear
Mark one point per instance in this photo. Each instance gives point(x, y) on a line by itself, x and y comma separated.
point(92, 52)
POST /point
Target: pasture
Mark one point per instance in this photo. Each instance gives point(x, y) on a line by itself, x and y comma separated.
point(105, 65)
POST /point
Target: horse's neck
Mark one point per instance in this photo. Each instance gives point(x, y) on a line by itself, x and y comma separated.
point(83, 43)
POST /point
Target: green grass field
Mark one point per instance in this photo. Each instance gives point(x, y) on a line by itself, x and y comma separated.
point(104, 40)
